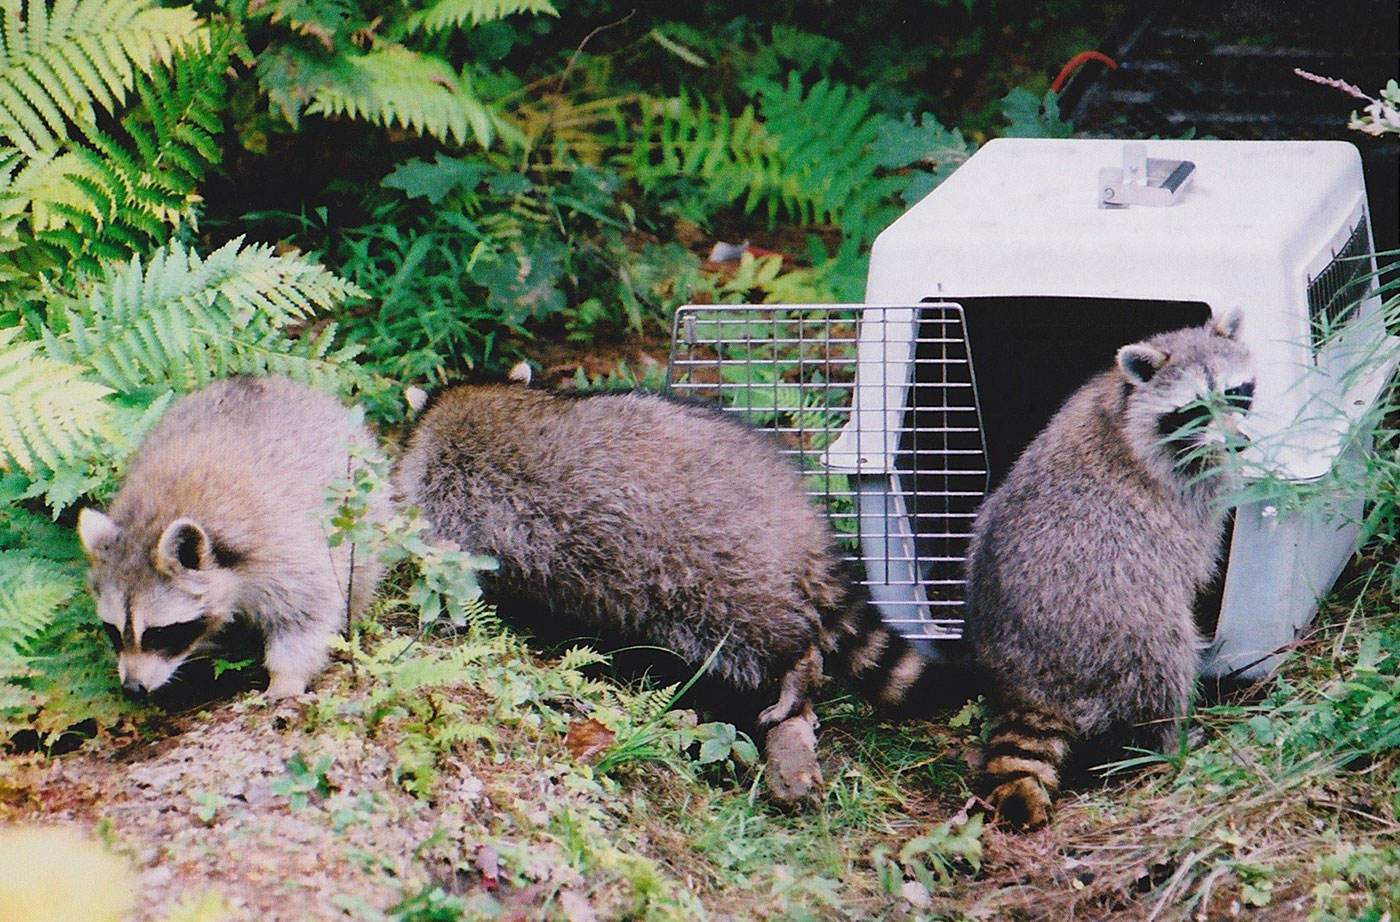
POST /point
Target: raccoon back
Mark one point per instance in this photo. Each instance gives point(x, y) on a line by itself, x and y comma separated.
point(656, 520)
point(250, 459)
point(1083, 564)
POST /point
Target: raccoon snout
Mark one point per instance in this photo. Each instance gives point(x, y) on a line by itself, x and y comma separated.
point(133, 690)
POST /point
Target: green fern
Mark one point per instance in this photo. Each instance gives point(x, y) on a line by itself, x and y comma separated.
point(176, 320)
point(453, 14)
point(49, 411)
point(31, 591)
point(42, 607)
point(394, 85)
point(107, 193)
point(60, 62)
point(808, 155)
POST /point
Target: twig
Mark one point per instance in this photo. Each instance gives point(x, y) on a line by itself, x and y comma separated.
point(564, 76)
point(573, 59)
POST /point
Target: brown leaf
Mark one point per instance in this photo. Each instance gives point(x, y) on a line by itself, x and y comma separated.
point(576, 908)
point(488, 863)
point(587, 738)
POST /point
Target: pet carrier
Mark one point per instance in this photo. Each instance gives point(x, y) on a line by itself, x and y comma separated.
point(995, 297)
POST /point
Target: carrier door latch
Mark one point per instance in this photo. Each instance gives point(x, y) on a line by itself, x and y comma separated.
point(1143, 180)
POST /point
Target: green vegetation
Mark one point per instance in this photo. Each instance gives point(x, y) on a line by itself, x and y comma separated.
point(363, 195)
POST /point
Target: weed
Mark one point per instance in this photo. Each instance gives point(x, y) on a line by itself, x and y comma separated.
point(303, 781)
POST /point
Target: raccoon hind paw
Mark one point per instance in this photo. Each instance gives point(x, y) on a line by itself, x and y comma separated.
point(1022, 803)
point(793, 773)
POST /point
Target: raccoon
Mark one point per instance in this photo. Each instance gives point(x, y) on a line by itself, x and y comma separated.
point(1085, 562)
point(665, 524)
point(218, 521)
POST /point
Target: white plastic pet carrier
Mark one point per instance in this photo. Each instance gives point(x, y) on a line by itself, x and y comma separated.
point(999, 294)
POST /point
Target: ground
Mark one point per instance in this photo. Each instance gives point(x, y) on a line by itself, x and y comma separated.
point(525, 789)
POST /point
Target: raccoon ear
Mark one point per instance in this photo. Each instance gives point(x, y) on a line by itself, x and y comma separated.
point(1140, 361)
point(1229, 325)
point(183, 546)
point(416, 398)
point(96, 532)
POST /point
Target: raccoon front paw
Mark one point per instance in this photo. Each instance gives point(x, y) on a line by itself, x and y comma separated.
point(1023, 803)
point(792, 770)
point(285, 686)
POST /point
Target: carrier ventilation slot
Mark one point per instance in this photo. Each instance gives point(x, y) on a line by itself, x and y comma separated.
point(1339, 287)
point(904, 514)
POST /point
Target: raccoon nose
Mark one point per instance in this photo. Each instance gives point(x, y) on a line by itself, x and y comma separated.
point(134, 691)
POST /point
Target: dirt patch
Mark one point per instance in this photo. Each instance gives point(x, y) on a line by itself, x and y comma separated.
point(248, 805)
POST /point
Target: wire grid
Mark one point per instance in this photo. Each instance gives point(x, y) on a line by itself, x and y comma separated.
point(793, 370)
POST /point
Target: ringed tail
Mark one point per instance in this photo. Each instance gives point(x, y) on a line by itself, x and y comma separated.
point(889, 671)
point(1023, 760)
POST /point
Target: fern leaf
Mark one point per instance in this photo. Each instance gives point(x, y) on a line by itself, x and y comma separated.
point(453, 14)
point(393, 85)
point(32, 590)
point(176, 320)
point(50, 188)
point(59, 61)
point(48, 410)
point(808, 154)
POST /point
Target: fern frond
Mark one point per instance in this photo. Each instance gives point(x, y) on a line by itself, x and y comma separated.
point(105, 196)
point(54, 187)
point(32, 589)
point(393, 85)
point(452, 14)
point(178, 320)
point(61, 62)
point(806, 154)
point(49, 410)
point(576, 658)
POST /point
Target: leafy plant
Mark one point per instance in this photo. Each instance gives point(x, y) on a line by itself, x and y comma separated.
point(73, 193)
point(302, 781)
point(381, 65)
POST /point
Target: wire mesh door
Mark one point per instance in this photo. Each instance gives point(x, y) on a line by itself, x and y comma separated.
point(877, 407)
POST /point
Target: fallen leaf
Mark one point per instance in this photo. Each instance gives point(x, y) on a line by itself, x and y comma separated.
point(488, 863)
point(576, 908)
point(587, 738)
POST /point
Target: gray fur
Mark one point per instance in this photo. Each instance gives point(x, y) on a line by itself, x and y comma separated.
point(220, 515)
point(1086, 561)
point(655, 523)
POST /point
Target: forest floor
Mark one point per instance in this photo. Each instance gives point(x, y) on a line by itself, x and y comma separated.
point(474, 779)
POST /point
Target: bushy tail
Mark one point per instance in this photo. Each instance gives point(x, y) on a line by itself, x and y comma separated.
point(888, 670)
point(1023, 760)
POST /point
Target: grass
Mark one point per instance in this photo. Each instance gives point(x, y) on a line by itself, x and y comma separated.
point(462, 775)
point(1286, 808)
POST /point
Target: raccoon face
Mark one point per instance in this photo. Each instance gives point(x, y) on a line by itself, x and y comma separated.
point(1190, 391)
point(159, 606)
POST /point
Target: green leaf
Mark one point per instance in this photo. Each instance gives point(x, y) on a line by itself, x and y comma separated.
point(435, 181)
point(1029, 116)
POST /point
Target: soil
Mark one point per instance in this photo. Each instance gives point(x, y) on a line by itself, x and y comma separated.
point(206, 811)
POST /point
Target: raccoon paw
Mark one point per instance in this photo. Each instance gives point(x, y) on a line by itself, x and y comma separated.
point(1022, 804)
point(285, 686)
point(792, 770)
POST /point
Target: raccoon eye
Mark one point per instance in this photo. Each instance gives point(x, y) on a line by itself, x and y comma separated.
point(1186, 419)
point(114, 635)
point(1241, 397)
point(173, 638)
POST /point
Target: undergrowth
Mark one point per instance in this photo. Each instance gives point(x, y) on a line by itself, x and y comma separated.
point(494, 181)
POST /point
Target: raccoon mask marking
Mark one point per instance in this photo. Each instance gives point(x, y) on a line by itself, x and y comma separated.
point(1085, 562)
point(1186, 396)
point(158, 623)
